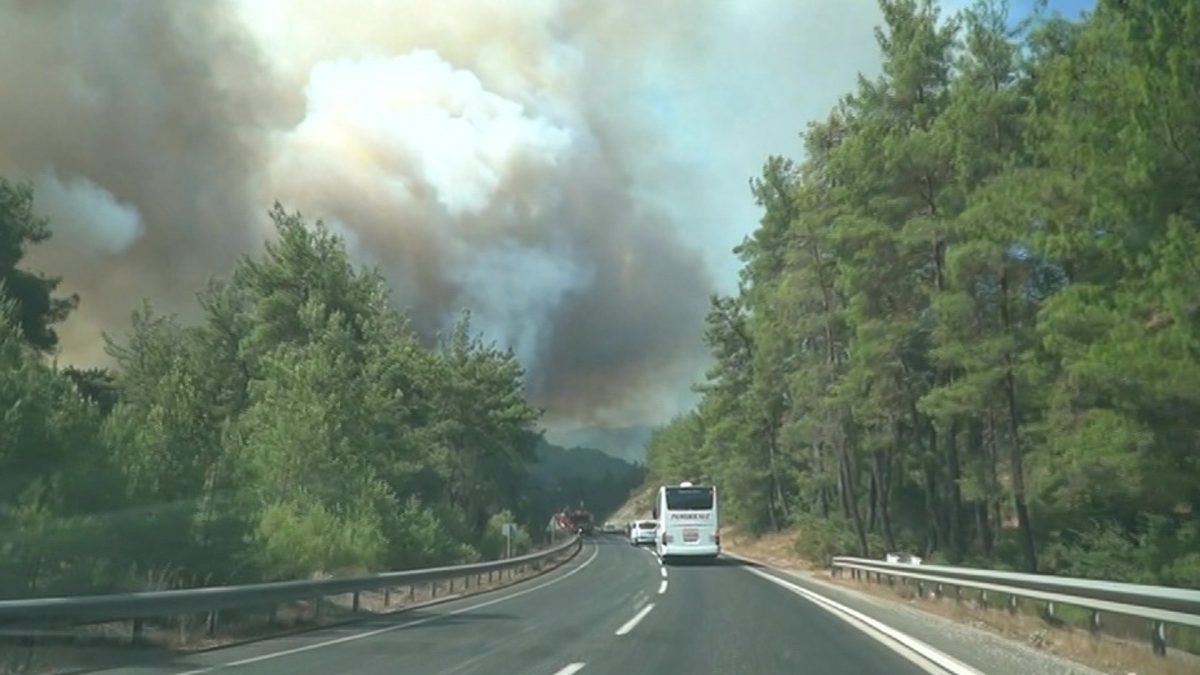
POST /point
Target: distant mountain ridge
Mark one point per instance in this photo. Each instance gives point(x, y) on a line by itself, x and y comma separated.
point(628, 443)
point(571, 476)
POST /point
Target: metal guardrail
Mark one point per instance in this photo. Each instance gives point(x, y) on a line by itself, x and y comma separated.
point(88, 609)
point(1160, 605)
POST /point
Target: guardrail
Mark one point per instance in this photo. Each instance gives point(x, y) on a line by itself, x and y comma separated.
point(1160, 605)
point(135, 607)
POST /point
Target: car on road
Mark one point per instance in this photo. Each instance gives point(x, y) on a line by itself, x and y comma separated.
point(642, 532)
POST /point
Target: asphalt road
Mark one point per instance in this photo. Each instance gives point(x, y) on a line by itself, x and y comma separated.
point(612, 610)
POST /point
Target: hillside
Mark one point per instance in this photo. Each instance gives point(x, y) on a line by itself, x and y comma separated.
point(637, 505)
point(628, 443)
point(571, 476)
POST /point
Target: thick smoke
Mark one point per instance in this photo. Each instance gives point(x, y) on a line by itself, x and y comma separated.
point(564, 169)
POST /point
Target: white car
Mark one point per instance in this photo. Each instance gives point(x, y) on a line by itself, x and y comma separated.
point(642, 532)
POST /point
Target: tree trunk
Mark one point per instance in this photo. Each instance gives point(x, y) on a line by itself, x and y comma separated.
point(822, 487)
point(851, 498)
point(955, 524)
point(980, 458)
point(872, 502)
point(882, 479)
point(843, 489)
point(774, 524)
point(1014, 429)
point(985, 530)
point(994, 472)
point(933, 536)
point(779, 505)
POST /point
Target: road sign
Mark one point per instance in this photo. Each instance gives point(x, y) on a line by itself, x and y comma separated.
point(509, 530)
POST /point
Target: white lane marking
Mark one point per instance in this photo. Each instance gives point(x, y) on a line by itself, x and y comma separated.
point(637, 618)
point(925, 657)
point(640, 599)
point(662, 588)
point(664, 572)
point(388, 629)
point(571, 669)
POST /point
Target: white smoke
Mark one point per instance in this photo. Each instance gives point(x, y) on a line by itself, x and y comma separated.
point(415, 117)
point(573, 172)
point(86, 215)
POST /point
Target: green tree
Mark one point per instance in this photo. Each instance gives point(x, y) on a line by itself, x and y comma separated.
point(37, 309)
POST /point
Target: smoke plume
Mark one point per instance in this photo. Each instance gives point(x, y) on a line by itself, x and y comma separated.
point(573, 172)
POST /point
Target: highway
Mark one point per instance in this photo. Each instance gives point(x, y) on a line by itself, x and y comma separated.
point(611, 610)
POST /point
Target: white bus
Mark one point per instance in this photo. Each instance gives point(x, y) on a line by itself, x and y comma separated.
point(687, 521)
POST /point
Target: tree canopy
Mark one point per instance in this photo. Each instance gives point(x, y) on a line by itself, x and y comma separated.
point(969, 321)
point(300, 427)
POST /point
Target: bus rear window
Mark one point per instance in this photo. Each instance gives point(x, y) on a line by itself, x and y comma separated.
point(690, 499)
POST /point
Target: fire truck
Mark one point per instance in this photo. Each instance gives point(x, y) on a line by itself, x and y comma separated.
point(577, 520)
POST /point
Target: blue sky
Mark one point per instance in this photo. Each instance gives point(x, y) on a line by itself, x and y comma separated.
point(1068, 8)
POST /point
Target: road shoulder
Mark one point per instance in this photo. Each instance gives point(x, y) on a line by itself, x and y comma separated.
point(982, 650)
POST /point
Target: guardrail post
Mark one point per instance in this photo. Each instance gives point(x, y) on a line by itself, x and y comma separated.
point(1012, 604)
point(317, 609)
point(1158, 638)
point(920, 589)
point(451, 584)
point(958, 594)
point(983, 601)
point(387, 596)
point(213, 619)
point(1050, 611)
point(937, 591)
point(412, 592)
point(135, 632)
point(1094, 622)
point(355, 608)
point(433, 589)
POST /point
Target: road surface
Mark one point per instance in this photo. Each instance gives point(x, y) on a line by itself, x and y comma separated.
point(611, 610)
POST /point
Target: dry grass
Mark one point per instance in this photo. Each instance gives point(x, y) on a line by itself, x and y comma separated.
point(1101, 652)
point(1104, 652)
point(638, 505)
point(777, 549)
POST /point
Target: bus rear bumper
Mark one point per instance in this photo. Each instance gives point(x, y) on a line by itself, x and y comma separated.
point(689, 550)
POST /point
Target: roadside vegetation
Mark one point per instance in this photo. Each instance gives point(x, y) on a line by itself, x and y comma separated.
point(968, 324)
point(301, 426)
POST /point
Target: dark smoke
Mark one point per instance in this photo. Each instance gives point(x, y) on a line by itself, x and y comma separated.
point(523, 161)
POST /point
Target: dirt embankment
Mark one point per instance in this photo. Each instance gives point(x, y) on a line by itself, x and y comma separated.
point(637, 506)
